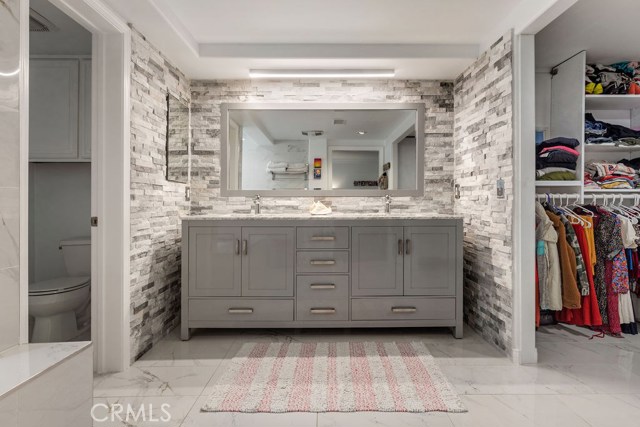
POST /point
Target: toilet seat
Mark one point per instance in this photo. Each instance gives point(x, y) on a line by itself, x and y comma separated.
point(59, 285)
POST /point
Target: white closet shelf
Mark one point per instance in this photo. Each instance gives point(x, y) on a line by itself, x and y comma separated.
point(612, 191)
point(599, 148)
point(612, 102)
point(558, 183)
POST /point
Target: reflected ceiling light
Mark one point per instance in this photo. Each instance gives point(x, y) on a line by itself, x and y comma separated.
point(362, 132)
point(326, 73)
point(10, 74)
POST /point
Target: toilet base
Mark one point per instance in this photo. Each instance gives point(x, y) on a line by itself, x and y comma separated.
point(57, 328)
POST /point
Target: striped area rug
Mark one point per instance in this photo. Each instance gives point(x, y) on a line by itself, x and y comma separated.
point(333, 377)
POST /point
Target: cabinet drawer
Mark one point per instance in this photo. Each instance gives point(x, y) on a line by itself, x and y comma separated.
point(322, 298)
point(403, 308)
point(312, 288)
point(322, 262)
point(323, 237)
point(241, 310)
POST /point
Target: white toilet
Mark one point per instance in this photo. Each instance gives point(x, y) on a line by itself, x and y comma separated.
point(56, 304)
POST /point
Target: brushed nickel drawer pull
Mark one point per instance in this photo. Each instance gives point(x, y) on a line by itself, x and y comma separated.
point(240, 310)
point(238, 247)
point(323, 310)
point(245, 249)
point(322, 286)
point(323, 262)
point(408, 246)
point(403, 309)
point(400, 247)
point(323, 238)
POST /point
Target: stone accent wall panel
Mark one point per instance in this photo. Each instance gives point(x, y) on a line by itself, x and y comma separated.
point(156, 204)
point(484, 153)
point(207, 96)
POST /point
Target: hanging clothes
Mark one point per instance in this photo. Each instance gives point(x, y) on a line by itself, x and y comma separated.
point(548, 262)
point(571, 297)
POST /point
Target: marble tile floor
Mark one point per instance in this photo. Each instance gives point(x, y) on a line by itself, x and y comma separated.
point(578, 382)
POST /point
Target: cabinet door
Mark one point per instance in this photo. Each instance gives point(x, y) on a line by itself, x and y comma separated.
point(430, 261)
point(376, 261)
point(84, 135)
point(53, 109)
point(267, 261)
point(214, 261)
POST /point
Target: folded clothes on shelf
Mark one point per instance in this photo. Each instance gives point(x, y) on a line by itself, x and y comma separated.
point(607, 175)
point(558, 176)
point(546, 171)
point(621, 78)
point(597, 132)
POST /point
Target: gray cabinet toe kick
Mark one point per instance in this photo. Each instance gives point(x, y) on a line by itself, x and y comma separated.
point(342, 273)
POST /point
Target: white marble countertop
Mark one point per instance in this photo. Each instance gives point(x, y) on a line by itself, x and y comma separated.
point(329, 217)
point(22, 363)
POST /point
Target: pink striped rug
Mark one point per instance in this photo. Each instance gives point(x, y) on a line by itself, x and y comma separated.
point(333, 377)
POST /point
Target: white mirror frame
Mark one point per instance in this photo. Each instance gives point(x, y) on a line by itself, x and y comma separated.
point(224, 151)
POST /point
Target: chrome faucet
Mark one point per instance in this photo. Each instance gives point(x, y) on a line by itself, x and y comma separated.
point(387, 204)
point(256, 204)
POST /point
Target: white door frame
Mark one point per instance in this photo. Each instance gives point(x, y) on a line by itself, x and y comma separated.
point(110, 156)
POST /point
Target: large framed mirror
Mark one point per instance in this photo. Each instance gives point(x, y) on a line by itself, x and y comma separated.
point(322, 149)
point(177, 144)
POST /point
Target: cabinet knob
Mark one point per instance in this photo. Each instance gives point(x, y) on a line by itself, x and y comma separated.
point(322, 286)
point(323, 310)
point(323, 262)
point(403, 309)
point(240, 310)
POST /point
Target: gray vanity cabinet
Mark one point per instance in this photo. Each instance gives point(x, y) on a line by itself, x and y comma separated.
point(429, 261)
point(376, 261)
point(214, 264)
point(261, 271)
point(268, 261)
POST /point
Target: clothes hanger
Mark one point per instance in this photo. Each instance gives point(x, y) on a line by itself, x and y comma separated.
point(569, 213)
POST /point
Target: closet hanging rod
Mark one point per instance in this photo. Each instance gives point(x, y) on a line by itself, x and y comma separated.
point(587, 197)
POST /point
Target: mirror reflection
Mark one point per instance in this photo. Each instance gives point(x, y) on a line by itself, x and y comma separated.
point(177, 139)
point(322, 149)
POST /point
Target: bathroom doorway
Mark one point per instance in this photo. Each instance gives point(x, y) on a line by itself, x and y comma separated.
point(59, 176)
point(105, 152)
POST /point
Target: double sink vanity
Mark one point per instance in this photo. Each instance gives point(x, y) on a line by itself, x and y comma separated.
point(270, 270)
point(339, 270)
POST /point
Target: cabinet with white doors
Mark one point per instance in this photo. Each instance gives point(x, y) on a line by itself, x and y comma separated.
point(60, 109)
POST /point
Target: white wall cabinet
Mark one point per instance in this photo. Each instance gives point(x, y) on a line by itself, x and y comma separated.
point(60, 110)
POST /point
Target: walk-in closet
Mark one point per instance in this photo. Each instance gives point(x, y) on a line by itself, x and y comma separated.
point(587, 180)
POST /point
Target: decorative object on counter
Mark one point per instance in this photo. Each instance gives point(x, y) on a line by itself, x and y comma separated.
point(416, 382)
point(557, 159)
point(621, 78)
point(386, 166)
point(319, 208)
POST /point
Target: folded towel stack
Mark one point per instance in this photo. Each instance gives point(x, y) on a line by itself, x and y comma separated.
point(284, 167)
point(557, 159)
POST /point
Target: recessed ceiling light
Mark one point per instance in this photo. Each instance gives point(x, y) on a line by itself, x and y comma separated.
point(362, 132)
point(328, 73)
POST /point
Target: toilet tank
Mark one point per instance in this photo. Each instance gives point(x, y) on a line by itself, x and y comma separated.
point(77, 256)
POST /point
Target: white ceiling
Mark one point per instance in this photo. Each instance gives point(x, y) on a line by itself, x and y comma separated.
point(70, 38)
point(421, 39)
point(609, 32)
point(287, 125)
